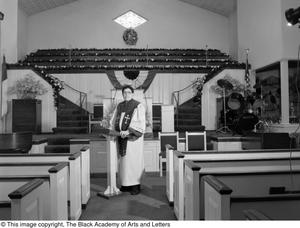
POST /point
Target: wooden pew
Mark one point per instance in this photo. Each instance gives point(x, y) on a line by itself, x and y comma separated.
point(178, 166)
point(13, 175)
point(83, 145)
point(18, 141)
point(269, 175)
point(24, 200)
point(74, 180)
point(76, 145)
point(221, 203)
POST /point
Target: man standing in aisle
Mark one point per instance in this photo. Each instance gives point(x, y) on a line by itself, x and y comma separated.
point(129, 119)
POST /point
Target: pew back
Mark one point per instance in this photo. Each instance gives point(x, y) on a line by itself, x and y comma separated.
point(15, 174)
point(177, 163)
point(223, 203)
point(74, 160)
point(242, 178)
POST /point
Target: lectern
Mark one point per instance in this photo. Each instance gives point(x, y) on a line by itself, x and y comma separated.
point(111, 189)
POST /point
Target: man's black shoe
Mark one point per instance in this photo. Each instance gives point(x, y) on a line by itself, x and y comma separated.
point(136, 189)
point(125, 188)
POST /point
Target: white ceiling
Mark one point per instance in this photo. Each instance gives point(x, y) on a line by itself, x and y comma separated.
point(223, 7)
point(35, 6)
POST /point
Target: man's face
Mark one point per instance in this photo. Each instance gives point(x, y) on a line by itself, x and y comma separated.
point(127, 94)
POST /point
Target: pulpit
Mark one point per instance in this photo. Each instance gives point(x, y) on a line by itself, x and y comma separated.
point(112, 162)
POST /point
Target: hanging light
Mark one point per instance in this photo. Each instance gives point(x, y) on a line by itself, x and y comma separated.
point(292, 16)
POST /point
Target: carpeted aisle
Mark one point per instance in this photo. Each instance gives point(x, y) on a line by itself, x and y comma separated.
point(150, 204)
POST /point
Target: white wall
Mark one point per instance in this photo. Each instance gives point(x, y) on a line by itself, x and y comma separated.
point(9, 27)
point(22, 34)
point(291, 35)
point(89, 24)
point(233, 36)
point(259, 29)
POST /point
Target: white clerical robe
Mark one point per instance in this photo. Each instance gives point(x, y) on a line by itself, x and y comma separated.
point(131, 166)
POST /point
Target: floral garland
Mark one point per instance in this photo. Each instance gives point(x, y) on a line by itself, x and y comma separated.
point(130, 36)
point(57, 86)
point(198, 84)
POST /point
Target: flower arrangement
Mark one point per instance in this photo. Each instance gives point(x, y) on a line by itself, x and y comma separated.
point(198, 84)
point(27, 88)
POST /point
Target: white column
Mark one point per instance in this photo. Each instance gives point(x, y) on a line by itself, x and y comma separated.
point(284, 85)
point(167, 118)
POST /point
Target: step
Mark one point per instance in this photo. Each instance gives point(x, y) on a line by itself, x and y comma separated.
point(57, 149)
point(71, 117)
point(70, 130)
point(72, 123)
point(70, 111)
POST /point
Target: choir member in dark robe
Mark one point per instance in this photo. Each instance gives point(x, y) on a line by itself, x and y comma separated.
point(129, 119)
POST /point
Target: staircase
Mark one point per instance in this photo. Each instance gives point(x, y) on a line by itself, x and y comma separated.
point(71, 119)
point(189, 117)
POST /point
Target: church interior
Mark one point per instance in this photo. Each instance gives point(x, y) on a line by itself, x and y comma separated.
point(219, 83)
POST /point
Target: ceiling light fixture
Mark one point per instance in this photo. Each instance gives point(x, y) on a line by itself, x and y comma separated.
point(130, 20)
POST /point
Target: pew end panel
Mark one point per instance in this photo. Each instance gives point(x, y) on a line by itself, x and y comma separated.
point(85, 175)
point(29, 202)
point(59, 195)
point(83, 145)
point(191, 198)
point(75, 182)
point(169, 176)
point(216, 200)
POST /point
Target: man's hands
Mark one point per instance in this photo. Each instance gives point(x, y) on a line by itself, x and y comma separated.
point(124, 134)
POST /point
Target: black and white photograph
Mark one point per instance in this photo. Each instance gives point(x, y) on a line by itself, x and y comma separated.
point(149, 113)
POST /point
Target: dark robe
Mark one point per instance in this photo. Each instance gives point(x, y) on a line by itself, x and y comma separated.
point(128, 108)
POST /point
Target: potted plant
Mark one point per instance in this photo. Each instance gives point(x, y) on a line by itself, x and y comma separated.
point(27, 88)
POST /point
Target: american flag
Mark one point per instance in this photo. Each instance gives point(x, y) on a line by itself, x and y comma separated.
point(3, 88)
point(247, 75)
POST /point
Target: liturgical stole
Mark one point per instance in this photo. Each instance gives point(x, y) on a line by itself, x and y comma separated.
point(128, 108)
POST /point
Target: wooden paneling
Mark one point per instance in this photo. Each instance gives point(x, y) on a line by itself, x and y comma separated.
point(27, 115)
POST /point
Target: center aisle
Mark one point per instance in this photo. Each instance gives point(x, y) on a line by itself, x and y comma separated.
point(150, 204)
